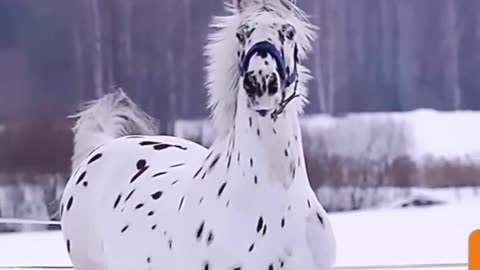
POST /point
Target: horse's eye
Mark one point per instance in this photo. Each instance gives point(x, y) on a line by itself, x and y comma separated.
point(241, 37)
point(289, 31)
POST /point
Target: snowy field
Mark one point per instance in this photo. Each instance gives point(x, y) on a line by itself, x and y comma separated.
point(436, 234)
point(388, 235)
point(430, 132)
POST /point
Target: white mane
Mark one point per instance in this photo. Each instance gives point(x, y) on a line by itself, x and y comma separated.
point(222, 60)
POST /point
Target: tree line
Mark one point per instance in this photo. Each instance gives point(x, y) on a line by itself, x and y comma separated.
point(371, 55)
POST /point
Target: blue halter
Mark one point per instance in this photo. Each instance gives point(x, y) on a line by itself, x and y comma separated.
point(267, 47)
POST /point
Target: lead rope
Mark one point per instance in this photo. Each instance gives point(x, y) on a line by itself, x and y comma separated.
point(28, 221)
point(284, 103)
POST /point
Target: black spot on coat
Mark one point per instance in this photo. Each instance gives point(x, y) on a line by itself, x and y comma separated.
point(115, 204)
point(222, 188)
point(214, 162)
point(259, 224)
point(148, 143)
point(94, 158)
point(141, 164)
point(159, 174)
point(210, 238)
point(177, 165)
point(198, 172)
point(69, 203)
point(138, 174)
point(68, 246)
point(200, 230)
point(320, 218)
point(180, 204)
point(229, 161)
point(157, 195)
point(165, 146)
point(81, 177)
point(129, 195)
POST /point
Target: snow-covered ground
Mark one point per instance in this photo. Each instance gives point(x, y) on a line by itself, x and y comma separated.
point(384, 236)
point(414, 236)
point(428, 132)
point(391, 197)
point(436, 234)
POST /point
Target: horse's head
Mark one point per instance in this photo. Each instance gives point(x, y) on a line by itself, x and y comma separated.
point(267, 53)
point(253, 60)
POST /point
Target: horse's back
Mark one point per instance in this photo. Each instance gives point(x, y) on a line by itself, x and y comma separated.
point(113, 184)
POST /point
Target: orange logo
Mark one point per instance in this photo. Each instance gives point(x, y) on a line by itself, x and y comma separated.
point(474, 251)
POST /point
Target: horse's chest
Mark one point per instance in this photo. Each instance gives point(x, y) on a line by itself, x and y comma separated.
point(232, 234)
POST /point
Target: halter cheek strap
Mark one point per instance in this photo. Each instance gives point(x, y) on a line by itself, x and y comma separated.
point(279, 57)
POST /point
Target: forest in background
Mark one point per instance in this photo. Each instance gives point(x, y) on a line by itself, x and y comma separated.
point(371, 56)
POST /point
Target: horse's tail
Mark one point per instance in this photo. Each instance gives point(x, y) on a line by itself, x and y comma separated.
point(100, 121)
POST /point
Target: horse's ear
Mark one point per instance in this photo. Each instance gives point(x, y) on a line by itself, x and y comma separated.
point(241, 5)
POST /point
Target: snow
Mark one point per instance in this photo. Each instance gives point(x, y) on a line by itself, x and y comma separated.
point(428, 132)
point(415, 236)
point(383, 236)
point(344, 198)
point(35, 200)
point(36, 248)
point(446, 134)
point(437, 234)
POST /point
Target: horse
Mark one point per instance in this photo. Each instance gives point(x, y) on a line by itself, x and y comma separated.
point(138, 200)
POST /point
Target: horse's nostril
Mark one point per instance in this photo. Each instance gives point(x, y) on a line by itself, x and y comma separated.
point(272, 85)
point(250, 84)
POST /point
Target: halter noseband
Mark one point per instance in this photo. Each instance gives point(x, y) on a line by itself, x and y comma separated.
point(279, 57)
point(287, 79)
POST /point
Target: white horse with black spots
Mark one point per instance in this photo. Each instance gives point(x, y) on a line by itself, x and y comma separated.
point(139, 201)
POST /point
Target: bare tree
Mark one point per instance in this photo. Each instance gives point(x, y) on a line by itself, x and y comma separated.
point(452, 59)
point(97, 44)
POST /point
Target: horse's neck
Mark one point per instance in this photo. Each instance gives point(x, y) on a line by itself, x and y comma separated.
point(270, 152)
point(259, 160)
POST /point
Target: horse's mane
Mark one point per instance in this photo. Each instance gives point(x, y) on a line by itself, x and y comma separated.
point(222, 61)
